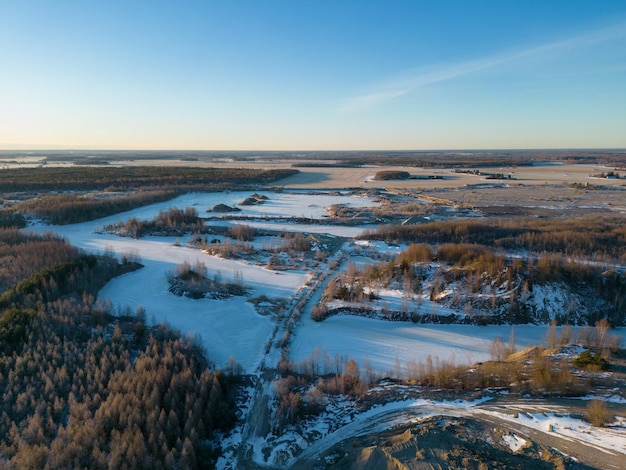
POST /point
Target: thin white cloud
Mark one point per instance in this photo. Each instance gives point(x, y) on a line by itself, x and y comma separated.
point(365, 102)
point(425, 76)
point(418, 79)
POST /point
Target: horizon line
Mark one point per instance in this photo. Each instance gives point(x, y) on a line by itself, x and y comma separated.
point(451, 149)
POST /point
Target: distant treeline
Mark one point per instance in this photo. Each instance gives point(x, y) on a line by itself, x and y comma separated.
point(60, 209)
point(592, 237)
point(425, 158)
point(81, 388)
point(490, 159)
point(464, 159)
point(79, 178)
point(144, 185)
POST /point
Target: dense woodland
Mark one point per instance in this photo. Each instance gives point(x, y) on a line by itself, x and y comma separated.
point(599, 238)
point(10, 218)
point(82, 178)
point(51, 193)
point(23, 255)
point(60, 209)
point(491, 158)
point(82, 388)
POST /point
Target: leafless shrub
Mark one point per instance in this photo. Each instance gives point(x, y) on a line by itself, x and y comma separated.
point(598, 413)
point(242, 232)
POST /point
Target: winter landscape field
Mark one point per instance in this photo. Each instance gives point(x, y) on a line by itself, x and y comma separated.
point(233, 325)
point(308, 288)
point(352, 235)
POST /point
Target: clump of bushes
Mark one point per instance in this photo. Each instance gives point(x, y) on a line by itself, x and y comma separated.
point(174, 221)
point(392, 175)
point(590, 360)
point(11, 219)
point(598, 413)
point(191, 281)
point(242, 232)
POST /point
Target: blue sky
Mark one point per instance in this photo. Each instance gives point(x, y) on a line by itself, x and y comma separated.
point(235, 75)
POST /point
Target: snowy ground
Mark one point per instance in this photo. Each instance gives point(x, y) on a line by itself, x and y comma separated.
point(336, 230)
point(331, 430)
point(343, 421)
point(384, 343)
point(612, 438)
point(234, 328)
point(227, 328)
point(389, 345)
point(277, 205)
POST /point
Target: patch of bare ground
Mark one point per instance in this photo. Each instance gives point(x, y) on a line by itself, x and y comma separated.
point(546, 200)
point(444, 442)
point(438, 178)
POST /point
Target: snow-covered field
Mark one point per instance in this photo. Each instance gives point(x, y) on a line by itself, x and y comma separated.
point(389, 344)
point(311, 206)
point(229, 327)
point(233, 327)
point(335, 230)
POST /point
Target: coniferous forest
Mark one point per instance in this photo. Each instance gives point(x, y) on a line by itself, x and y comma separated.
point(69, 195)
point(593, 237)
point(83, 388)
